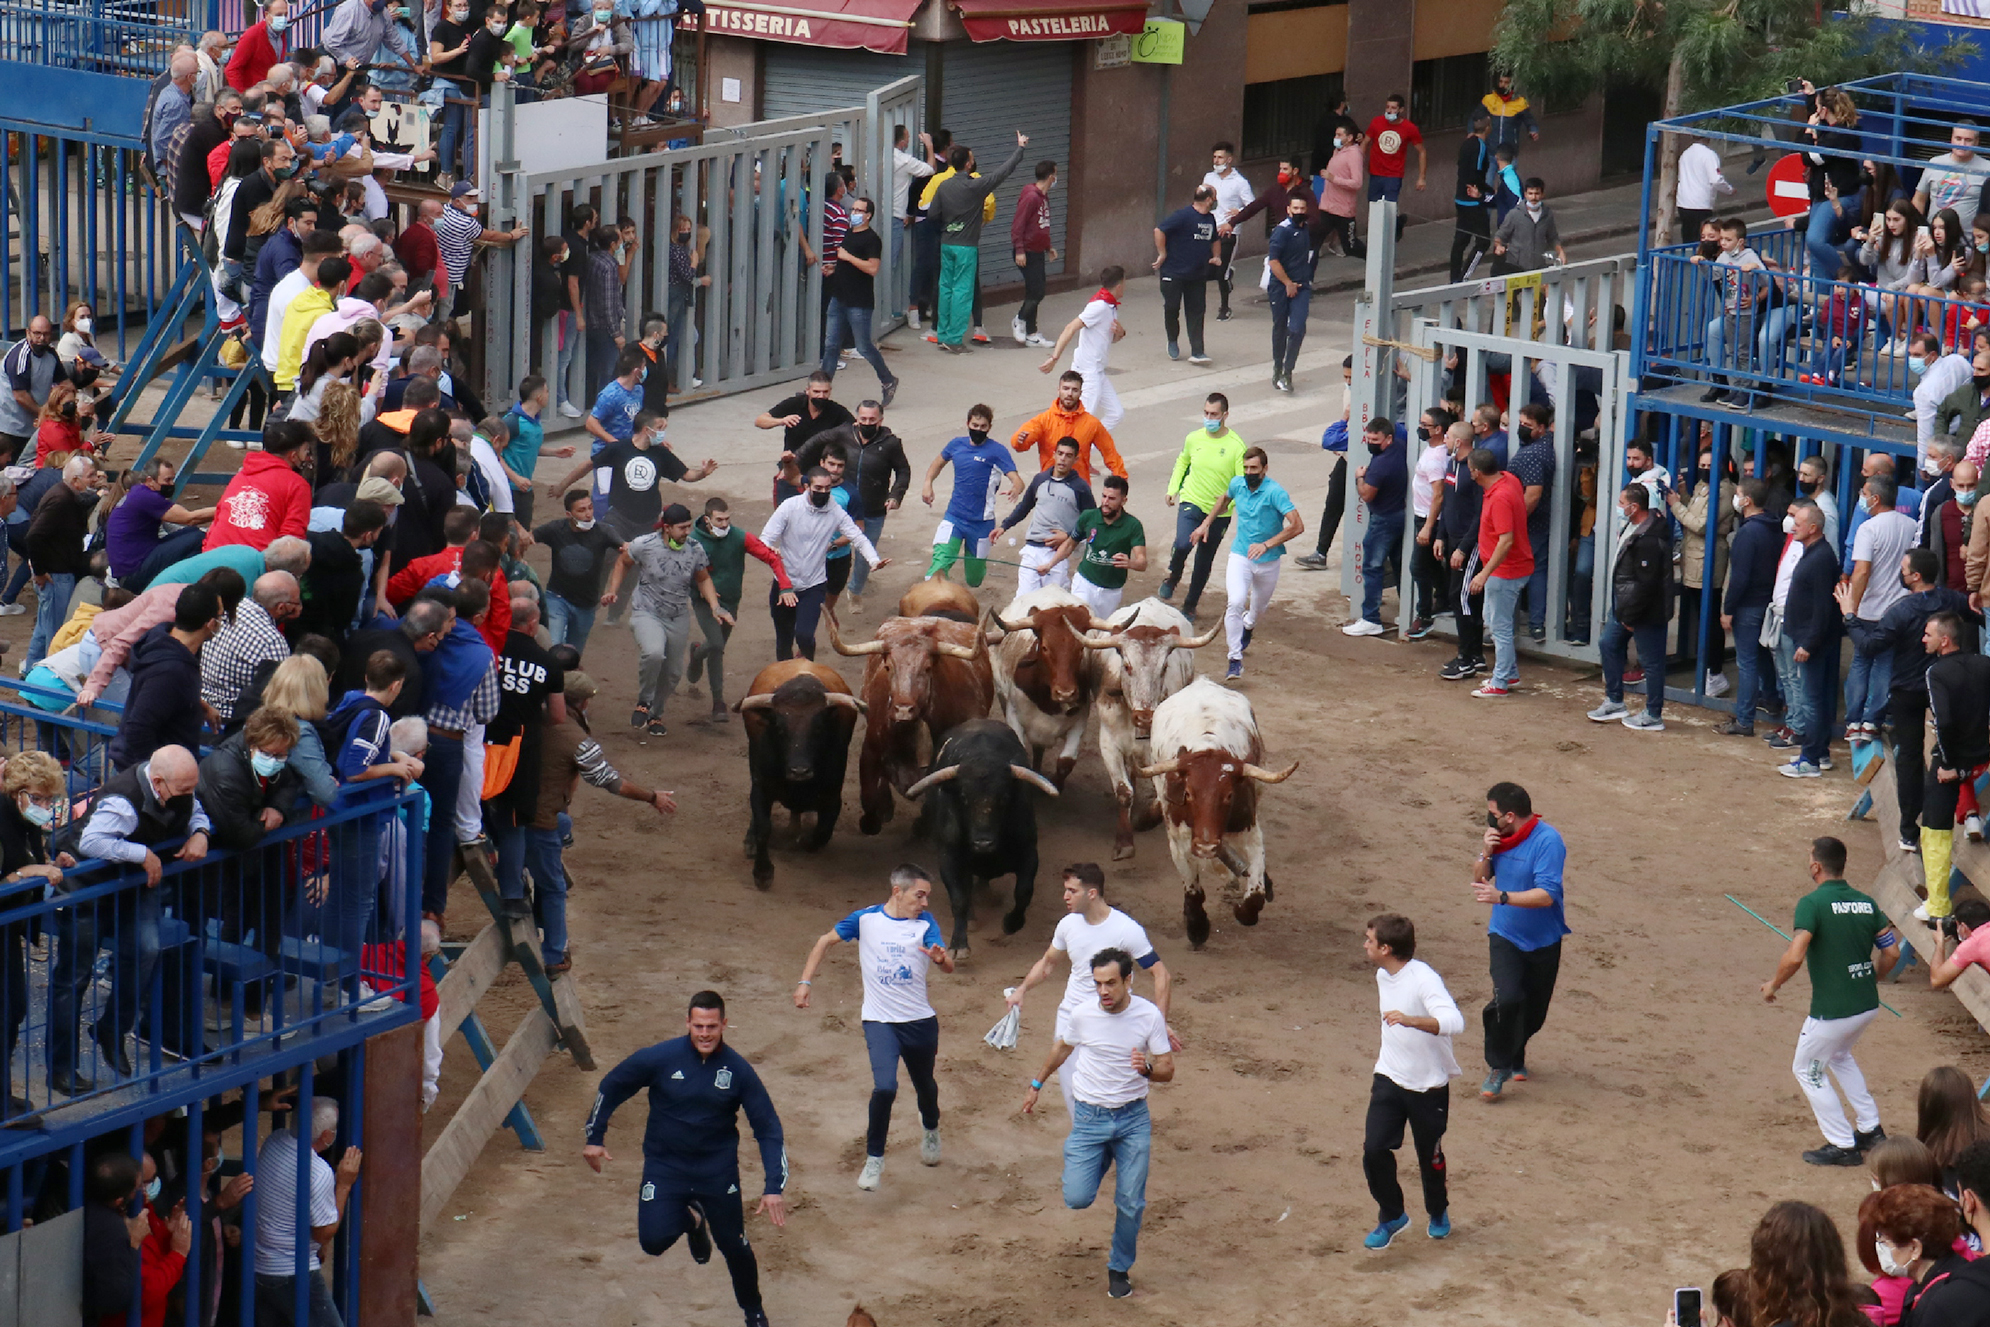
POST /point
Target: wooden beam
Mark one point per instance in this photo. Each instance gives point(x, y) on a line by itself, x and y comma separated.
point(468, 978)
point(501, 1088)
point(572, 1022)
point(1895, 890)
point(388, 1274)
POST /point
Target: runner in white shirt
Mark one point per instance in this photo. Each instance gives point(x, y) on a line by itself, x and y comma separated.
point(1095, 329)
point(1121, 1045)
point(1701, 186)
point(1091, 924)
point(895, 939)
point(1412, 1077)
point(1233, 195)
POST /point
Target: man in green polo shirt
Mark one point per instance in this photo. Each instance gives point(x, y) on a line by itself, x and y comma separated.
point(1108, 542)
point(1848, 945)
point(1211, 457)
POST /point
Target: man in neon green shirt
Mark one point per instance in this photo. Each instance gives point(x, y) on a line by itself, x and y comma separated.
point(307, 308)
point(1211, 457)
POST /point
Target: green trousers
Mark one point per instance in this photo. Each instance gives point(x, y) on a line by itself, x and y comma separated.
point(959, 265)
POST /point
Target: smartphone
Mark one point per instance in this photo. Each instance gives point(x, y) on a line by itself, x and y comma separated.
point(1794, 85)
point(1686, 1306)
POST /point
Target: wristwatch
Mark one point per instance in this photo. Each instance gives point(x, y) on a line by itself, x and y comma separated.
point(1502, 897)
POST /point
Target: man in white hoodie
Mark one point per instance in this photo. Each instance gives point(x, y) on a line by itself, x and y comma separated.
point(1412, 1078)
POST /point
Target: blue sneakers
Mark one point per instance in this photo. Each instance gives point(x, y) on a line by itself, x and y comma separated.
point(1384, 1234)
point(1440, 1226)
point(1236, 670)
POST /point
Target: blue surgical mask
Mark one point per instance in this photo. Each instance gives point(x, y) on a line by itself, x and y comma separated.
point(152, 1190)
point(41, 816)
point(265, 765)
point(1916, 367)
point(1212, 425)
point(1967, 499)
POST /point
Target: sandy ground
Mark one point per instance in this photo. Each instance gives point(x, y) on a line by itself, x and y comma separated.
point(1661, 1121)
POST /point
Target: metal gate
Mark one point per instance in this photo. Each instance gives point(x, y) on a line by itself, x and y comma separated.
point(989, 91)
point(753, 190)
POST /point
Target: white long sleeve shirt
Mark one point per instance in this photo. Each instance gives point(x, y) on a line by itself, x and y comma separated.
point(905, 168)
point(1418, 1061)
point(1233, 193)
point(1942, 377)
point(1700, 178)
point(800, 532)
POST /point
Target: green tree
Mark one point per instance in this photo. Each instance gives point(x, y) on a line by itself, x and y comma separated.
point(1698, 54)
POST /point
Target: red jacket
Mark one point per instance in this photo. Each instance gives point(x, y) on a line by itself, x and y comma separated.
point(159, 1270)
point(384, 960)
point(1029, 229)
point(417, 250)
point(253, 56)
point(264, 501)
point(406, 583)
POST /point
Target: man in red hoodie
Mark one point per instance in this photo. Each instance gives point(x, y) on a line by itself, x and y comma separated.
point(267, 498)
point(1029, 236)
point(261, 45)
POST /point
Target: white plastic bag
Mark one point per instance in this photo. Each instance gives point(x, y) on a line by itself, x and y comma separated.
point(1003, 1035)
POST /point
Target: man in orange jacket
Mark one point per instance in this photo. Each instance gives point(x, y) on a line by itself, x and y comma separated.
point(1068, 418)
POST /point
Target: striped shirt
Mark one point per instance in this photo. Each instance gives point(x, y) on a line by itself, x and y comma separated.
point(835, 225)
point(480, 707)
point(276, 1205)
point(455, 232)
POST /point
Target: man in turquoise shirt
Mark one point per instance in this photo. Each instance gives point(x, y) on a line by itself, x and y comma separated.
point(1266, 521)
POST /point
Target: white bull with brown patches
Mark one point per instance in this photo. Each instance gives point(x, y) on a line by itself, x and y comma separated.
point(1142, 660)
point(1207, 771)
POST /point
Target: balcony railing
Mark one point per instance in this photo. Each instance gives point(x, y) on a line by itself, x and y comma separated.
point(124, 998)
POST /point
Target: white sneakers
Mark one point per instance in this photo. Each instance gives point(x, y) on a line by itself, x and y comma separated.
point(569, 410)
point(873, 1172)
point(1608, 710)
point(1363, 627)
point(929, 1146)
point(1020, 332)
point(1717, 684)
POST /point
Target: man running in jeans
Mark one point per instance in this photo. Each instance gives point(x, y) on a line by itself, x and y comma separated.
point(1121, 1044)
point(697, 1087)
point(1267, 520)
point(1520, 875)
point(1412, 1078)
point(1848, 944)
point(1212, 456)
point(896, 939)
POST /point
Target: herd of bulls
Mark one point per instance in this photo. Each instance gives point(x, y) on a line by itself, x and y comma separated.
point(930, 678)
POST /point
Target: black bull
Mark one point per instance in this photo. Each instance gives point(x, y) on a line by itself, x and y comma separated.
point(798, 748)
point(982, 817)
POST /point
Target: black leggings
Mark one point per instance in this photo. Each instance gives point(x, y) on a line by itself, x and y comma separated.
point(663, 1214)
point(1390, 1107)
point(918, 1044)
point(1226, 279)
point(1909, 712)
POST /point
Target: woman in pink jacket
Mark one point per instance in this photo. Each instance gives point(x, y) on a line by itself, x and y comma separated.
point(1340, 186)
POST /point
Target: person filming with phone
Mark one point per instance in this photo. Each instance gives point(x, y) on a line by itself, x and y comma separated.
point(1519, 873)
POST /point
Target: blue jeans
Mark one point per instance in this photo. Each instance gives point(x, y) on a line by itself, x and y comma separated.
point(356, 873)
point(1828, 361)
point(1537, 584)
point(1502, 607)
point(1385, 186)
point(1122, 1138)
point(860, 570)
point(17, 539)
point(568, 623)
point(1772, 342)
point(1288, 325)
point(1749, 661)
point(51, 608)
point(1818, 234)
point(1867, 686)
point(128, 926)
point(1797, 711)
point(1582, 588)
point(898, 228)
point(452, 136)
point(1381, 545)
point(549, 891)
point(276, 1301)
point(562, 338)
point(858, 321)
point(1738, 330)
point(1651, 654)
point(1817, 699)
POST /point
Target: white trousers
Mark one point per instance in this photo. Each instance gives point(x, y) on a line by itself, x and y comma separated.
point(1825, 1045)
point(1100, 398)
point(470, 793)
point(431, 1059)
point(1041, 567)
point(1249, 585)
point(1102, 601)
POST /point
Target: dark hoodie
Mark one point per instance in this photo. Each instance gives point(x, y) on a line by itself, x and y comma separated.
point(1900, 629)
point(163, 707)
point(331, 587)
point(1751, 560)
point(235, 796)
point(874, 472)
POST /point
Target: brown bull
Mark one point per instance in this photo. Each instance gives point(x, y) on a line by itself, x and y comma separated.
point(928, 673)
point(1042, 677)
point(948, 599)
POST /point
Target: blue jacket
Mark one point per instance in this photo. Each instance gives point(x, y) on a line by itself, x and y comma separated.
point(165, 676)
point(278, 258)
point(1810, 615)
point(1899, 629)
point(693, 1130)
point(1536, 862)
point(1751, 561)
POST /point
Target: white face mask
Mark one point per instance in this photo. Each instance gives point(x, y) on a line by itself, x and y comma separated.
point(83, 325)
point(1737, 505)
point(1899, 1265)
point(1789, 525)
point(583, 525)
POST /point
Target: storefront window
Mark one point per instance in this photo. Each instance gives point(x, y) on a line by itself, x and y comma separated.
point(1443, 92)
point(1279, 116)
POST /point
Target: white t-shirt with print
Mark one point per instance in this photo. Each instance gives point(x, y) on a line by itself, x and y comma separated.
point(892, 953)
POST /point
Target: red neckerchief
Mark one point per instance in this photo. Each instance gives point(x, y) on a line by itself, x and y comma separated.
point(1107, 296)
point(1508, 842)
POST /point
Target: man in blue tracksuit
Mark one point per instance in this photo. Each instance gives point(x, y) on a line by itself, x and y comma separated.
point(1520, 874)
point(697, 1086)
point(1290, 258)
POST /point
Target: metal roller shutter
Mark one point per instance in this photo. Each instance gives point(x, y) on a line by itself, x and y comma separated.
point(990, 90)
point(800, 80)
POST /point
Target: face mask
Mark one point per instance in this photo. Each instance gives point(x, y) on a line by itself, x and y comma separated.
point(1524, 433)
point(495, 29)
point(1423, 433)
point(818, 499)
point(1339, 143)
point(1916, 367)
point(869, 432)
point(583, 525)
point(83, 325)
point(978, 435)
point(1736, 503)
point(1966, 497)
point(674, 543)
point(38, 815)
point(603, 15)
point(1212, 426)
point(1789, 525)
point(1492, 820)
point(152, 1189)
point(1252, 481)
point(1285, 177)
point(1982, 381)
point(1392, 116)
point(1904, 585)
point(1887, 1262)
point(279, 23)
point(1808, 485)
point(266, 765)
point(1374, 448)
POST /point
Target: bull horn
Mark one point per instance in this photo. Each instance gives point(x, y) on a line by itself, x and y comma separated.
point(996, 617)
point(1028, 775)
point(953, 651)
point(1156, 771)
point(946, 775)
point(846, 700)
point(1098, 624)
point(763, 701)
point(1101, 642)
point(1263, 775)
point(1197, 642)
point(836, 642)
